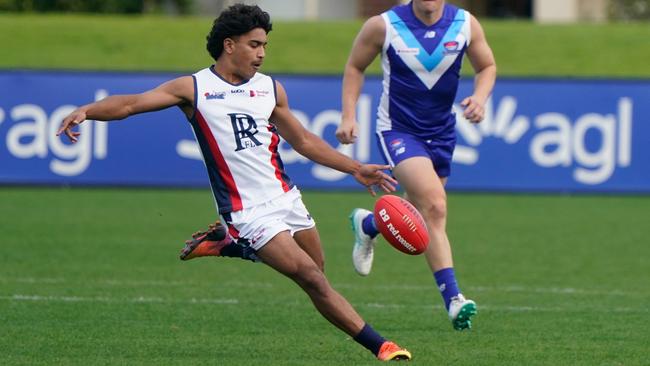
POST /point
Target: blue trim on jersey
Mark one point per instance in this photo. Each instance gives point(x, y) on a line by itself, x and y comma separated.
point(219, 189)
point(429, 60)
point(196, 99)
point(278, 159)
point(224, 80)
point(275, 90)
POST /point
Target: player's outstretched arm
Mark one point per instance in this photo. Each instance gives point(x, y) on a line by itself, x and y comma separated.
point(178, 92)
point(482, 59)
point(367, 45)
point(319, 151)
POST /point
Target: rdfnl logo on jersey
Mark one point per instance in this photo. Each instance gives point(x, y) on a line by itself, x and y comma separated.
point(31, 133)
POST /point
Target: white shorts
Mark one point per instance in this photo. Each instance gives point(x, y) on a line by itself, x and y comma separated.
point(255, 226)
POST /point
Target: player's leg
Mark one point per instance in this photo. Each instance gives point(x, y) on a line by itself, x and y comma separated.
point(426, 191)
point(365, 233)
point(309, 241)
point(284, 255)
point(395, 147)
point(302, 224)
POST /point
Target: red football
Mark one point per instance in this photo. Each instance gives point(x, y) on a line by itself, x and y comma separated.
point(401, 224)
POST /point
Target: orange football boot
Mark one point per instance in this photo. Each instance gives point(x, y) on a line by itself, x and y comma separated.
point(390, 351)
point(206, 243)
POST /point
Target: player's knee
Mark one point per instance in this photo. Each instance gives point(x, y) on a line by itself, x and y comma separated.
point(311, 279)
point(321, 264)
point(434, 209)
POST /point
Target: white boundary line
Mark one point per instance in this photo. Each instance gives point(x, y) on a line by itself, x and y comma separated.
point(139, 299)
point(500, 308)
point(471, 289)
point(158, 300)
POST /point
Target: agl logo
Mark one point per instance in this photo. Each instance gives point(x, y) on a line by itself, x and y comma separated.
point(31, 133)
point(556, 140)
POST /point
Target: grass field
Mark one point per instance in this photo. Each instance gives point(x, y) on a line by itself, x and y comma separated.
point(178, 44)
point(91, 277)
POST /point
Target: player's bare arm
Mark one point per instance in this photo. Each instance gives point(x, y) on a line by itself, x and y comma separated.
point(177, 92)
point(319, 151)
point(481, 57)
point(366, 47)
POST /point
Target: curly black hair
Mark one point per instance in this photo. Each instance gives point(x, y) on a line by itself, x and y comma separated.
point(235, 21)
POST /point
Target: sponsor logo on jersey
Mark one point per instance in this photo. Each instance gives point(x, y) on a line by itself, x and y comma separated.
point(430, 34)
point(408, 51)
point(237, 91)
point(215, 95)
point(258, 93)
point(451, 47)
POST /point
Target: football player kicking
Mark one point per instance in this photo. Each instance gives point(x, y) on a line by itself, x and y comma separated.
point(238, 115)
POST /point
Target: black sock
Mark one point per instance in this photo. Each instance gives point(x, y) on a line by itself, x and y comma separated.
point(370, 339)
point(235, 250)
point(232, 250)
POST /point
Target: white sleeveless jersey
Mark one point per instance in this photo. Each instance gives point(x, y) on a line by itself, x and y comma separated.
point(238, 143)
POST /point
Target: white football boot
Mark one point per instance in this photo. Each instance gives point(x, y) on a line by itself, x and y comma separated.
point(364, 246)
point(460, 312)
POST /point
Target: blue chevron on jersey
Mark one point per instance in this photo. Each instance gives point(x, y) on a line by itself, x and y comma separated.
point(421, 66)
point(433, 59)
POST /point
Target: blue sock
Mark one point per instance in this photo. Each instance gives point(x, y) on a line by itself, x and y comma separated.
point(369, 227)
point(370, 339)
point(447, 285)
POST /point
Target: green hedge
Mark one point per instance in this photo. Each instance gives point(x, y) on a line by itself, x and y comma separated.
point(629, 9)
point(94, 6)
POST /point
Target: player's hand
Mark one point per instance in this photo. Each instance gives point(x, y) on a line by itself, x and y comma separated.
point(347, 131)
point(69, 123)
point(474, 110)
point(371, 175)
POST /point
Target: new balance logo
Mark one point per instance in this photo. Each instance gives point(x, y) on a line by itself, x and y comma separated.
point(245, 129)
